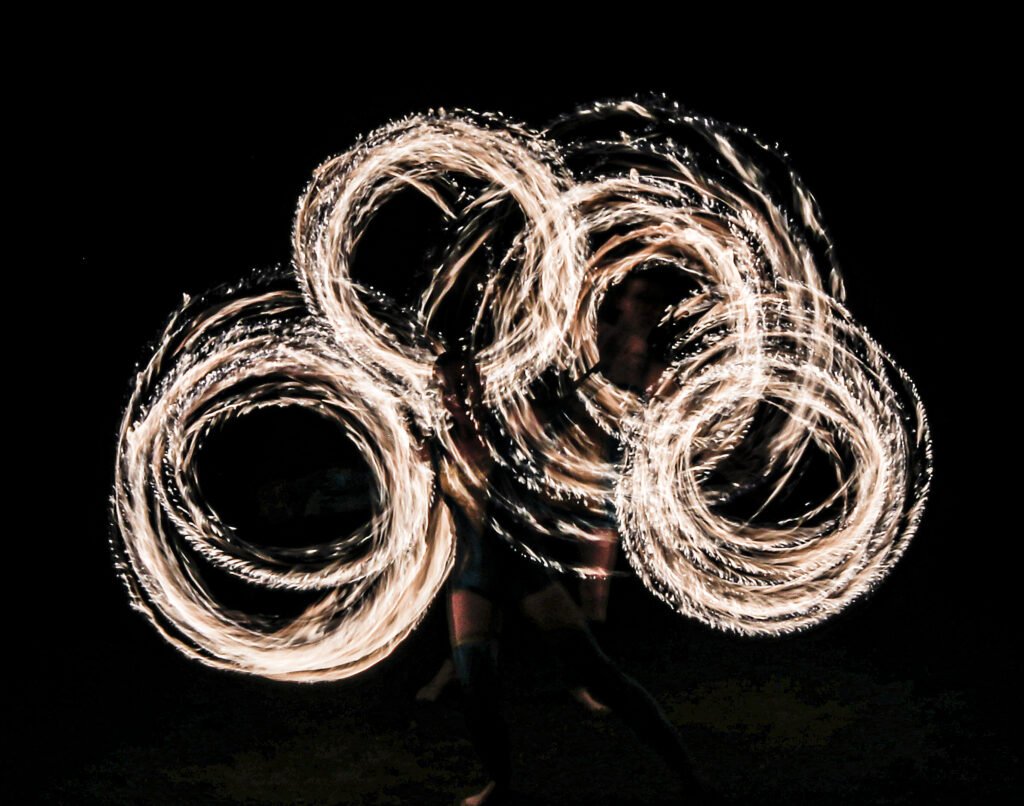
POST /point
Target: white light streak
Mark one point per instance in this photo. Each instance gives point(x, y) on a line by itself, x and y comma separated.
point(217, 364)
point(706, 201)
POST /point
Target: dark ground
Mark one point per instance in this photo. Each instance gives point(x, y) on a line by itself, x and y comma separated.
point(835, 716)
point(170, 176)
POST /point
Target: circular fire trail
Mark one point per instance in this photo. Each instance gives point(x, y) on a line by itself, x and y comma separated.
point(225, 362)
point(651, 300)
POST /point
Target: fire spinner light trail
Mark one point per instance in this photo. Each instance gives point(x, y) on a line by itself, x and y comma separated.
point(764, 367)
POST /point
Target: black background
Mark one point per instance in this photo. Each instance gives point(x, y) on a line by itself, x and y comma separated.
point(168, 173)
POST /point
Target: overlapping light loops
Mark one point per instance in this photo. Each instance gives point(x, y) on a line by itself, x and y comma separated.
point(530, 312)
point(764, 371)
point(756, 578)
point(212, 365)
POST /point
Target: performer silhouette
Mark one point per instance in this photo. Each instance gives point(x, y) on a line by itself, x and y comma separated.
point(489, 576)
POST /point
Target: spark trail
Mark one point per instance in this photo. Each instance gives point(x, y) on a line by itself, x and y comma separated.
point(759, 372)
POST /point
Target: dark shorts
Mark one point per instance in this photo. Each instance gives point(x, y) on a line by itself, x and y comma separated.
point(486, 564)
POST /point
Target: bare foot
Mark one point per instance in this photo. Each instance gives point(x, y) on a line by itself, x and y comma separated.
point(584, 698)
point(432, 690)
point(490, 795)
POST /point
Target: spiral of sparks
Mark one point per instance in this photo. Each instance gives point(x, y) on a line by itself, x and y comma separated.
point(764, 371)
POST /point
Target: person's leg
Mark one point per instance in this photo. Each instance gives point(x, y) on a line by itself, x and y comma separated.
point(474, 634)
point(594, 591)
point(564, 628)
point(599, 555)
